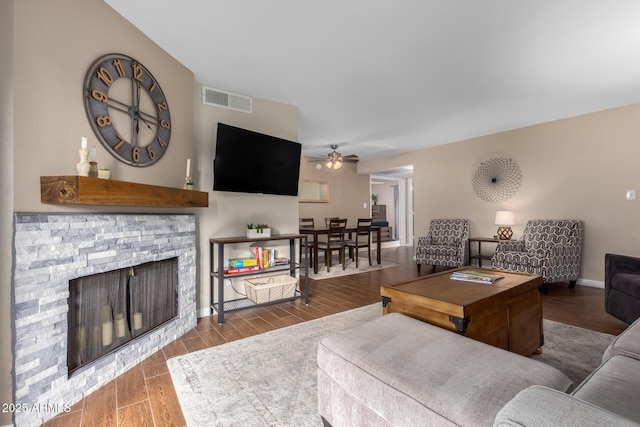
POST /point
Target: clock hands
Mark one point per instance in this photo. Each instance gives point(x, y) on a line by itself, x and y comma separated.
point(134, 111)
point(125, 108)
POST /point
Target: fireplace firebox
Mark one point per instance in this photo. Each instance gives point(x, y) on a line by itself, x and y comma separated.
point(107, 310)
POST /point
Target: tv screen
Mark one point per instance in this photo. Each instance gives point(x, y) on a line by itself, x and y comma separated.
point(252, 162)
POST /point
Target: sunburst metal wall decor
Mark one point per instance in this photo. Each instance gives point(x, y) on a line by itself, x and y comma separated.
point(497, 180)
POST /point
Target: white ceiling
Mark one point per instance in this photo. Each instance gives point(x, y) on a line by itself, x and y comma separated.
point(380, 77)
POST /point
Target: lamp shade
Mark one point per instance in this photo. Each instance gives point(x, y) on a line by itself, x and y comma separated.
point(505, 218)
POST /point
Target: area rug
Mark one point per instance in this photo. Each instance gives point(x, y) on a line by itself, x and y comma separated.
point(350, 268)
point(270, 379)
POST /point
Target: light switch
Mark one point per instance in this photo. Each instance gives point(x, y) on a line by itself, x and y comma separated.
point(365, 205)
point(631, 194)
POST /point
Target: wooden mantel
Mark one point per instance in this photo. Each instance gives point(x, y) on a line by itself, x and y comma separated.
point(80, 190)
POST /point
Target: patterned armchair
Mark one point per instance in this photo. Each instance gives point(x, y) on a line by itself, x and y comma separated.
point(550, 248)
point(446, 244)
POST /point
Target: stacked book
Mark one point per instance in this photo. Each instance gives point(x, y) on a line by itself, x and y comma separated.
point(263, 258)
point(475, 276)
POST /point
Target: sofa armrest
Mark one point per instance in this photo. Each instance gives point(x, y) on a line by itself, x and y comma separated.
point(626, 344)
point(544, 407)
point(615, 264)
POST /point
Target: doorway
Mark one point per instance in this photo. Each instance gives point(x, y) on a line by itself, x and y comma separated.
point(392, 193)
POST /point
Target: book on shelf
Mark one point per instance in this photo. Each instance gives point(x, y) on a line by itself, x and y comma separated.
point(237, 270)
point(475, 276)
point(281, 261)
point(242, 262)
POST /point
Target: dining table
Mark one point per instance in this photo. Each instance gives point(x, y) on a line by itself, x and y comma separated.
point(315, 232)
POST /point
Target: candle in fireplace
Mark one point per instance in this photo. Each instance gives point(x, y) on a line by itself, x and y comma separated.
point(107, 333)
point(82, 338)
point(120, 328)
point(137, 321)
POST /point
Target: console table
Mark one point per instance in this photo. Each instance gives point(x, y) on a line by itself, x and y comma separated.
point(245, 302)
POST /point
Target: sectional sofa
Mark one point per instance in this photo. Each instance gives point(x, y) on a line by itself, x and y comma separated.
point(398, 371)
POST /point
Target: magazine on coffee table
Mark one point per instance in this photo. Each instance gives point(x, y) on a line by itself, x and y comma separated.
point(475, 276)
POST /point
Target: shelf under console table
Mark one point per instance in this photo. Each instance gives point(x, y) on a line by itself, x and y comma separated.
point(223, 306)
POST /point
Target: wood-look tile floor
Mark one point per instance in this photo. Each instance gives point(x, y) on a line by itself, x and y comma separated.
point(144, 395)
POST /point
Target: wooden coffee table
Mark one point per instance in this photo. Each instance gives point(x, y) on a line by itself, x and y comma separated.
point(505, 314)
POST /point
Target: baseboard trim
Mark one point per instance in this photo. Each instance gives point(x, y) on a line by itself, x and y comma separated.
point(590, 283)
point(203, 312)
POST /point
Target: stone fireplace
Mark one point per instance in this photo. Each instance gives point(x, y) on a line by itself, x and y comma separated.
point(52, 250)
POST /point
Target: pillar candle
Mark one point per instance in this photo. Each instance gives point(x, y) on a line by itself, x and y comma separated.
point(94, 335)
point(107, 333)
point(188, 173)
point(120, 328)
point(83, 143)
point(81, 333)
point(137, 321)
point(92, 158)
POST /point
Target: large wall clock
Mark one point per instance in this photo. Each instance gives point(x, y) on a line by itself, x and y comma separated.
point(127, 109)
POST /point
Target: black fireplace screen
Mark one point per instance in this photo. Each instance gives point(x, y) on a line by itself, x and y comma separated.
point(107, 310)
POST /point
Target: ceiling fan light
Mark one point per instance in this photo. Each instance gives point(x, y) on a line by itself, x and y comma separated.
point(333, 164)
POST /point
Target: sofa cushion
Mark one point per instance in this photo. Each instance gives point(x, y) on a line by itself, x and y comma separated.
point(543, 407)
point(625, 344)
point(396, 370)
point(614, 386)
point(627, 283)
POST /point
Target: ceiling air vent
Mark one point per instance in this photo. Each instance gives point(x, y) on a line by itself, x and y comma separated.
point(224, 99)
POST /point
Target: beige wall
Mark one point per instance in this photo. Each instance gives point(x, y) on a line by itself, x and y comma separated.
point(228, 213)
point(348, 193)
point(578, 168)
point(54, 45)
point(47, 47)
point(6, 200)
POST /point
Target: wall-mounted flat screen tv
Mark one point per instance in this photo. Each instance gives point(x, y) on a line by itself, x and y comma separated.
point(252, 162)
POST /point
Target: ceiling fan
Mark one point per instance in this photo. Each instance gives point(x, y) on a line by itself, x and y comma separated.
point(334, 160)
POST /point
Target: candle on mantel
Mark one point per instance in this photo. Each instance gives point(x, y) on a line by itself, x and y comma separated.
point(92, 158)
point(188, 173)
point(83, 143)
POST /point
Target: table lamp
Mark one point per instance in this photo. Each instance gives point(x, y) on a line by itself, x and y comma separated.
point(505, 218)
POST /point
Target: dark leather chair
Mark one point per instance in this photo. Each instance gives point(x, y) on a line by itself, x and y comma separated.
point(362, 239)
point(335, 242)
point(622, 287)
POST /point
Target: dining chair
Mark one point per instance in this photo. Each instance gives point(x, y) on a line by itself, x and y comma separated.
point(335, 242)
point(327, 219)
point(362, 239)
point(307, 224)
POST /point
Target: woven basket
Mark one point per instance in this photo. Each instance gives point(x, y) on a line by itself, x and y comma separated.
point(266, 289)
